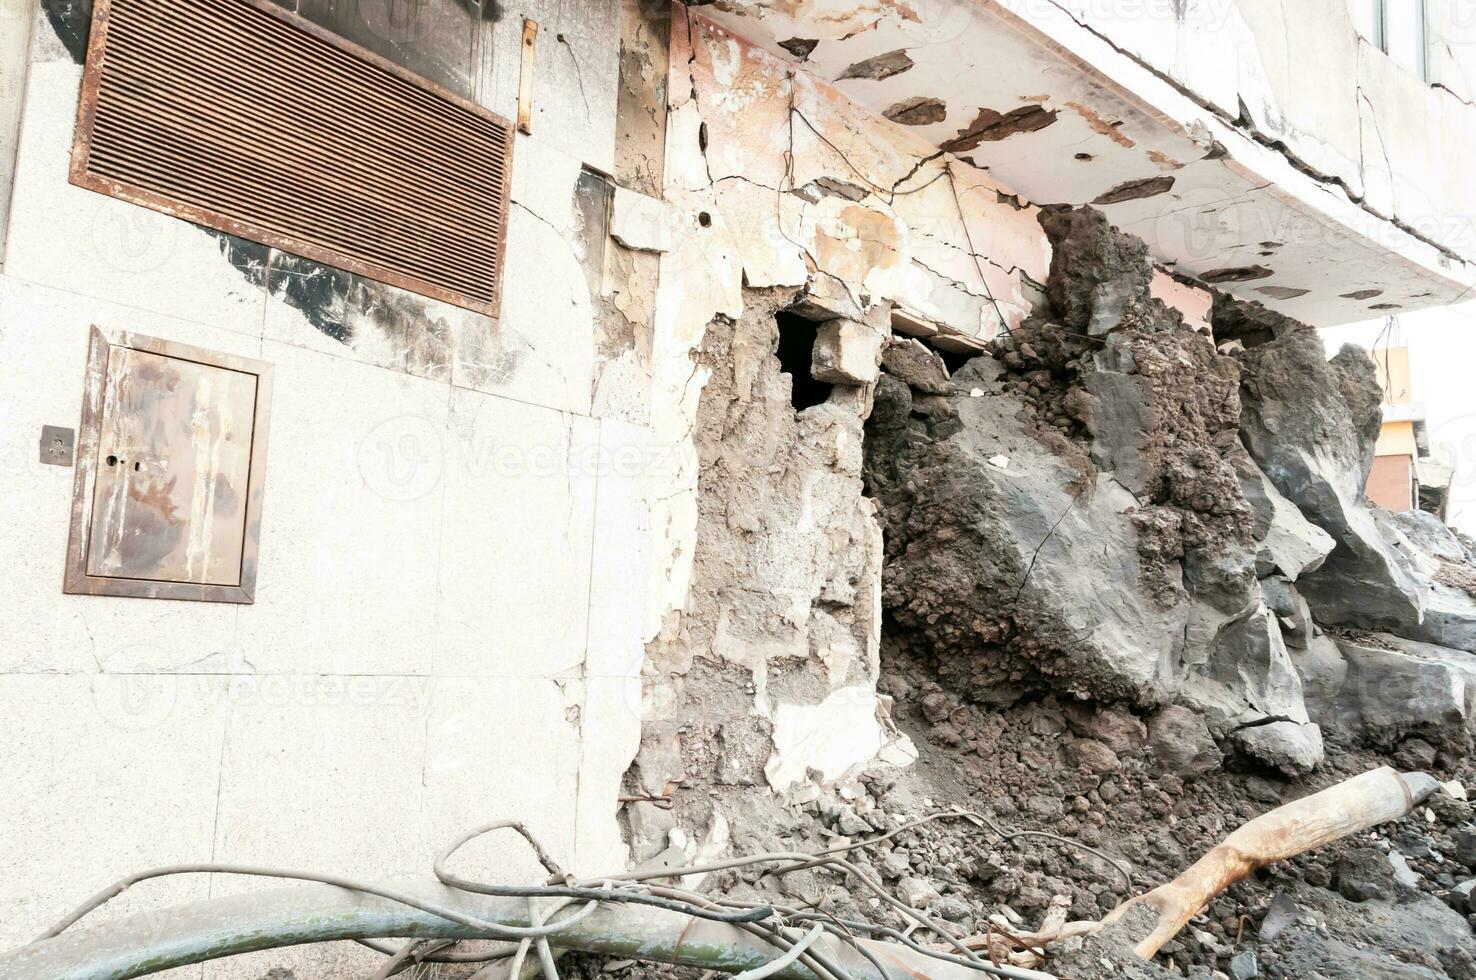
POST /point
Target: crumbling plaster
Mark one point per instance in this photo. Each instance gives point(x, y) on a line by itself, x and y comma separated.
point(1294, 206)
point(782, 183)
point(786, 185)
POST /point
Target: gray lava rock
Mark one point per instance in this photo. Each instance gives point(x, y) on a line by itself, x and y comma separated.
point(1243, 966)
point(1415, 754)
point(1251, 690)
point(1449, 621)
point(1460, 897)
point(1288, 542)
point(1310, 424)
point(1290, 610)
point(1097, 272)
point(1181, 742)
point(909, 360)
point(1281, 916)
point(993, 570)
point(1294, 748)
point(917, 893)
point(1364, 874)
point(850, 823)
point(1430, 534)
point(1404, 875)
point(1465, 847)
point(952, 909)
point(1410, 689)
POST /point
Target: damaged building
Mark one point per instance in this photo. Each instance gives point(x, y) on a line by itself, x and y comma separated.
point(729, 428)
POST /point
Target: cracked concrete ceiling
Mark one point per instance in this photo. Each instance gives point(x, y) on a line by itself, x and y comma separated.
point(1053, 110)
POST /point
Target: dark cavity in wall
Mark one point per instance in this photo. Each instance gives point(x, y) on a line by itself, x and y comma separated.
point(796, 350)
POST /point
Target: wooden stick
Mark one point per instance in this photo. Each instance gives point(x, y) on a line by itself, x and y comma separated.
point(1354, 805)
point(1339, 811)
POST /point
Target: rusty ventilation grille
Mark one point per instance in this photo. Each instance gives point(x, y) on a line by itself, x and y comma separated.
point(248, 119)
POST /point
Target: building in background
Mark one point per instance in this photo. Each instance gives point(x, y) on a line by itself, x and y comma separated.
point(1427, 448)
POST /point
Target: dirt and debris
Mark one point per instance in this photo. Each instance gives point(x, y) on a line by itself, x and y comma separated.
point(1106, 619)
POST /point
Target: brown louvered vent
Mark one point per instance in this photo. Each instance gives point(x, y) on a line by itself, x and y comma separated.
point(248, 119)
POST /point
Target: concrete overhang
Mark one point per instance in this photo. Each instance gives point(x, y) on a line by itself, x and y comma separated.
point(1405, 412)
point(1055, 111)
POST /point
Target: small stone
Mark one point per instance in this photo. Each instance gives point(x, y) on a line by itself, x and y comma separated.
point(851, 824)
point(1415, 754)
point(1114, 727)
point(1364, 874)
point(1093, 755)
point(1403, 873)
point(1263, 789)
point(1281, 915)
point(1459, 897)
point(952, 909)
point(917, 893)
point(1465, 848)
point(1243, 966)
point(906, 359)
point(897, 862)
point(1181, 742)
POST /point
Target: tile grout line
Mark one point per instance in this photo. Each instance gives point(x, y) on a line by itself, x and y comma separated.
point(584, 676)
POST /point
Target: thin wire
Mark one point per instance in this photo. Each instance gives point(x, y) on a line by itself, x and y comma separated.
point(494, 929)
point(974, 252)
point(752, 917)
point(775, 965)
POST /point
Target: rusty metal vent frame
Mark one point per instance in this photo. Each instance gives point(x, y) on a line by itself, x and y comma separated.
point(247, 118)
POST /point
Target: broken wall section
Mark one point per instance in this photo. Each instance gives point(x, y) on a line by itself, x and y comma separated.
point(767, 579)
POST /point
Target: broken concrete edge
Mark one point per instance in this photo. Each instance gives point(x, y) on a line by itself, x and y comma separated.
point(1258, 158)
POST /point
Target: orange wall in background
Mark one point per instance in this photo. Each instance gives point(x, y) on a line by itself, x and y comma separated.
point(1391, 482)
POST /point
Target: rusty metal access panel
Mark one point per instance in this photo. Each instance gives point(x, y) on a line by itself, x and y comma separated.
point(170, 470)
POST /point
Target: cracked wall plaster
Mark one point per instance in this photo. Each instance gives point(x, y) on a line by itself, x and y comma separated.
point(1273, 119)
point(784, 184)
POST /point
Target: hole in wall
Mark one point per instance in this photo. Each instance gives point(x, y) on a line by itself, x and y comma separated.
point(954, 359)
point(796, 349)
point(704, 219)
point(112, 460)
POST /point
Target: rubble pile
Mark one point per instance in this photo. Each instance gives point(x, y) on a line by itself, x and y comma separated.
point(1132, 596)
point(1079, 514)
